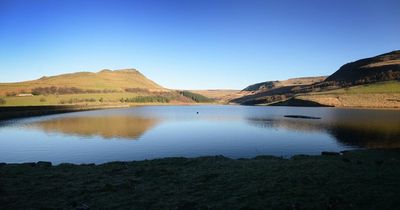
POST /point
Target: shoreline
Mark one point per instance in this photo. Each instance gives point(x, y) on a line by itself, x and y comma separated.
point(358, 179)
point(15, 112)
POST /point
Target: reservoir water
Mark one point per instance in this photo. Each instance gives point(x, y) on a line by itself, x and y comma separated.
point(150, 132)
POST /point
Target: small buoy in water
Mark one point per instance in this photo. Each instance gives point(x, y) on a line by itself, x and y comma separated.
point(197, 112)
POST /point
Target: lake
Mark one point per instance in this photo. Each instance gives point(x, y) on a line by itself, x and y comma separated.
point(150, 132)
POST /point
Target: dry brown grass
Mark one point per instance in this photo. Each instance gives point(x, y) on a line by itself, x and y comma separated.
point(222, 96)
point(106, 79)
point(383, 100)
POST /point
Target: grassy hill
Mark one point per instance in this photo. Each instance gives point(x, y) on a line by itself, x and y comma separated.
point(118, 80)
point(375, 69)
point(263, 86)
point(370, 82)
point(106, 87)
point(375, 95)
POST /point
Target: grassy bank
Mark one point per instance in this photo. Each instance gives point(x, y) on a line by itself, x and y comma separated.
point(354, 180)
point(384, 95)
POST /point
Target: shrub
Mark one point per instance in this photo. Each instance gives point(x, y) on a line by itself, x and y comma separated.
point(43, 100)
point(2, 101)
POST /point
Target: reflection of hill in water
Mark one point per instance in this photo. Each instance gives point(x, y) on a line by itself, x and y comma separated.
point(107, 127)
point(368, 134)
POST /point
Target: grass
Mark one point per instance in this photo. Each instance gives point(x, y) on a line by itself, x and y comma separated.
point(110, 80)
point(354, 180)
point(105, 98)
point(381, 87)
point(56, 99)
point(376, 95)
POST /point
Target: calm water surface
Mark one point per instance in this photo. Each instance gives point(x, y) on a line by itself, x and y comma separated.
point(170, 131)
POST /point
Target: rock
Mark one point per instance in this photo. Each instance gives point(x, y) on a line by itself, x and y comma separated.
point(302, 117)
point(28, 164)
point(44, 164)
point(330, 153)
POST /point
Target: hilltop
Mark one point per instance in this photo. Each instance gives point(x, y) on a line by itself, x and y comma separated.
point(370, 82)
point(117, 80)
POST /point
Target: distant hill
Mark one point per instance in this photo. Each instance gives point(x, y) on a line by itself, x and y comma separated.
point(381, 68)
point(220, 95)
point(289, 82)
point(117, 80)
point(375, 69)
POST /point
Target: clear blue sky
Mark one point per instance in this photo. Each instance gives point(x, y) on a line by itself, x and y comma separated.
point(193, 44)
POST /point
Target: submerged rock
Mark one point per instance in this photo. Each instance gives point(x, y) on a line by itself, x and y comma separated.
point(302, 117)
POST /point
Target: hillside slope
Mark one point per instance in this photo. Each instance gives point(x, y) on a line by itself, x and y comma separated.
point(375, 69)
point(117, 80)
point(268, 85)
point(120, 87)
point(381, 68)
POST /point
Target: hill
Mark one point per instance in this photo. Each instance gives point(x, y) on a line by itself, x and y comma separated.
point(126, 86)
point(375, 69)
point(220, 95)
point(375, 95)
point(381, 69)
point(263, 86)
point(105, 80)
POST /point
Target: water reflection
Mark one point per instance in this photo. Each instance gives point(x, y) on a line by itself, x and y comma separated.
point(170, 131)
point(347, 130)
point(126, 127)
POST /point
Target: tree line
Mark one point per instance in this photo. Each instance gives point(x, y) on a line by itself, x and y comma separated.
point(196, 97)
point(53, 90)
point(145, 99)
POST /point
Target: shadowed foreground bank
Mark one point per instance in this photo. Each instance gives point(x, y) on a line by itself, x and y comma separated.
point(354, 180)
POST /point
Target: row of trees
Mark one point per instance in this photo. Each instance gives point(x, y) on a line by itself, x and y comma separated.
point(145, 99)
point(77, 100)
point(66, 90)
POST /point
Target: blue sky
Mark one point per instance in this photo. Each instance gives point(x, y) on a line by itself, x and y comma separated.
point(193, 44)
